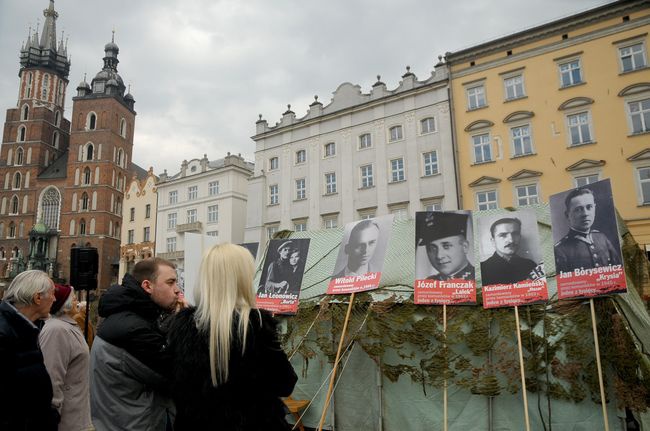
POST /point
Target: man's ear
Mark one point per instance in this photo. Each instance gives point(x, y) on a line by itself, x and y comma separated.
point(147, 286)
point(36, 299)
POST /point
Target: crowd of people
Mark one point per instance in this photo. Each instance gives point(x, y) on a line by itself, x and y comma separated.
point(155, 362)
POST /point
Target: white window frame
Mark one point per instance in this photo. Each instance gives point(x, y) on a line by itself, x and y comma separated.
point(192, 215)
point(170, 244)
point(488, 203)
point(515, 84)
point(430, 125)
point(639, 183)
point(643, 114)
point(566, 68)
point(146, 234)
point(396, 133)
point(301, 156)
point(272, 230)
point(331, 221)
point(130, 236)
point(581, 116)
point(301, 189)
point(366, 176)
point(329, 149)
point(400, 212)
point(274, 163)
point(435, 205)
point(585, 179)
point(366, 214)
point(431, 165)
point(397, 170)
point(633, 58)
point(365, 141)
point(173, 197)
point(274, 194)
point(330, 183)
point(213, 188)
point(172, 221)
point(531, 194)
point(483, 144)
point(192, 193)
point(520, 140)
point(213, 214)
point(300, 225)
point(476, 97)
point(212, 233)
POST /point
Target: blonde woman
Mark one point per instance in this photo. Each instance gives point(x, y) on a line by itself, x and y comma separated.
point(229, 368)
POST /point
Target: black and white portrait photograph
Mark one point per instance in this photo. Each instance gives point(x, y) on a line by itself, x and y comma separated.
point(363, 247)
point(510, 247)
point(284, 266)
point(584, 228)
point(252, 247)
point(444, 246)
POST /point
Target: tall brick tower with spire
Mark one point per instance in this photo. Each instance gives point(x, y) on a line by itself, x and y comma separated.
point(61, 182)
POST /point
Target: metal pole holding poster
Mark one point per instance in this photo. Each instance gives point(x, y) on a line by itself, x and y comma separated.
point(600, 370)
point(336, 362)
point(521, 368)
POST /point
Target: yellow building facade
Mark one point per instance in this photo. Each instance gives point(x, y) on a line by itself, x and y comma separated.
point(556, 106)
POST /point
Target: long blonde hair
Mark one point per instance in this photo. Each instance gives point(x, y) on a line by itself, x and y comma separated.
point(225, 287)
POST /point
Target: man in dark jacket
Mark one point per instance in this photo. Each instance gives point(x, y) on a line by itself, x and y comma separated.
point(26, 394)
point(129, 364)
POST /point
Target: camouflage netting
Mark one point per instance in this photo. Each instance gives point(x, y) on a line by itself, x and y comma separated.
point(478, 353)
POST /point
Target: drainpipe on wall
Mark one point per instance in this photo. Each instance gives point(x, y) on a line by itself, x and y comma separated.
point(454, 143)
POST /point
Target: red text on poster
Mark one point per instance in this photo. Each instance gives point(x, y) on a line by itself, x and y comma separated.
point(448, 292)
point(278, 303)
point(354, 283)
point(590, 282)
point(514, 294)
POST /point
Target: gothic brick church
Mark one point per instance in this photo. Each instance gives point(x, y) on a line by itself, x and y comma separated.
point(62, 181)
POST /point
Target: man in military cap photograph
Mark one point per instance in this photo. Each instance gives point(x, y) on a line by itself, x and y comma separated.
point(444, 236)
point(583, 246)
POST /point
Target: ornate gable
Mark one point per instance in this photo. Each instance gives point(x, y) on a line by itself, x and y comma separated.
point(524, 173)
point(484, 181)
point(585, 164)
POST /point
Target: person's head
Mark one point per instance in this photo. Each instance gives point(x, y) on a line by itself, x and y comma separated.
point(158, 278)
point(33, 292)
point(65, 301)
point(224, 288)
point(362, 243)
point(580, 209)
point(506, 235)
point(444, 236)
point(285, 249)
point(294, 257)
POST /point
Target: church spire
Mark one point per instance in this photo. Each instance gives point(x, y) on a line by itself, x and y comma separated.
point(48, 37)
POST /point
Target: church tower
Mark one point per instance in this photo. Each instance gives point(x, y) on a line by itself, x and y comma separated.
point(99, 156)
point(35, 136)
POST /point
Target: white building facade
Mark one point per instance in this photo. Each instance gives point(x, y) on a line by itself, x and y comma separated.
point(205, 197)
point(138, 236)
point(361, 156)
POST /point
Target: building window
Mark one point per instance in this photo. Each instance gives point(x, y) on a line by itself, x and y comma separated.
point(87, 176)
point(92, 121)
point(213, 214)
point(330, 222)
point(50, 208)
point(147, 211)
point(14, 205)
point(430, 163)
point(191, 216)
point(123, 128)
point(301, 189)
point(12, 233)
point(366, 214)
point(171, 245)
point(527, 195)
point(98, 87)
point(28, 87)
point(55, 140)
point(522, 143)
point(300, 226)
point(274, 163)
point(396, 133)
point(131, 236)
point(486, 200)
point(432, 206)
point(19, 157)
point(644, 184)
point(301, 156)
point(482, 148)
point(120, 158)
point(89, 151)
point(132, 214)
point(570, 73)
point(632, 57)
point(82, 227)
point(57, 119)
point(367, 179)
point(24, 113)
point(427, 125)
point(171, 220)
point(330, 149)
point(46, 87)
point(17, 181)
point(586, 180)
point(514, 87)
point(365, 141)
point(475, 97)
point(213, 188)
point(84, 202)
point(146, 234)
point(173, 197)
point(272, 230)
point(640, 115)
point(330, 183)
point(192, 193)
point(579, 128)
point(212, 233)
point(274, 195)
point(22, 132)
point(400, 213)
point(397, 170)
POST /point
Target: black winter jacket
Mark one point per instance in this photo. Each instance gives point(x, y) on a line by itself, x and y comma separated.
point(250, 399)
point(26, 389)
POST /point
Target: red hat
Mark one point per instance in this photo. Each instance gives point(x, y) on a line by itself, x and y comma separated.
point(61, 294)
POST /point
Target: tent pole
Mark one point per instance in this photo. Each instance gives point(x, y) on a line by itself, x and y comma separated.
point(521, 368)
point(600, 370)
point(336, 362)
point(444, 396)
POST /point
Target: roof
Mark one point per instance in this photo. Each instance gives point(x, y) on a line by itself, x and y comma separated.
point(139, 172)
point(58, 169)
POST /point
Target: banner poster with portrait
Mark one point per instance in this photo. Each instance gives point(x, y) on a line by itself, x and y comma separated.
point(279, 287)
point(361, 256)
point(252, 247)
point(512, 270)
point(444, 258)
point(587, 249)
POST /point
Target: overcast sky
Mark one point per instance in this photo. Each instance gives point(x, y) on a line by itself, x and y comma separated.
point(202, 70)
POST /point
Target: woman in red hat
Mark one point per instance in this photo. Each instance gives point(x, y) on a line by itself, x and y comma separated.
point(67, 358)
